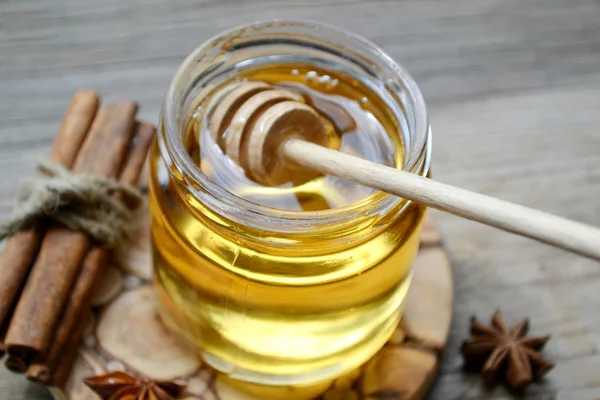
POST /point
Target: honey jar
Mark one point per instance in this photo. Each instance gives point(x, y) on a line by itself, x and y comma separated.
point(301, 282)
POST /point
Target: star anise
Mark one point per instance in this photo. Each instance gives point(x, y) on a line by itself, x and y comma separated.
point(501, 353)
point(122, 386)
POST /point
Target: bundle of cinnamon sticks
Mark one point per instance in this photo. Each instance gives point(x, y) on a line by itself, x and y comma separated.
point(47, 273)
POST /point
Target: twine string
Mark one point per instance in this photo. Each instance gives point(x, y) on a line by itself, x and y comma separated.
point(81, 202)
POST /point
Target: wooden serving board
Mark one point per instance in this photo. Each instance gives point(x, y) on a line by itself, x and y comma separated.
point(126, 334)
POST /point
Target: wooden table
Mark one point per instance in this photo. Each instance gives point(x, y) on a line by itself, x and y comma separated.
point(513, 88)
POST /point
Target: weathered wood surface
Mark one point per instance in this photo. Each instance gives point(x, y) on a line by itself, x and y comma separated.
point(513, 88)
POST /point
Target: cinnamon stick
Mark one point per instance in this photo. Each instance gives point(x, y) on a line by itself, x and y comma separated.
point(68, 358)
point(15, 364)
point(21, 248)
point(94, 266)
point(62, 250)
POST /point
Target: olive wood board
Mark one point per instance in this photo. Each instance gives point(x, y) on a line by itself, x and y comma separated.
point(125, 334)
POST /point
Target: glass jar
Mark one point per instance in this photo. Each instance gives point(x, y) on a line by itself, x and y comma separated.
point(275, 296)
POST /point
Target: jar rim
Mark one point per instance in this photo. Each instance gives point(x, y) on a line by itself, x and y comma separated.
point(260, 216)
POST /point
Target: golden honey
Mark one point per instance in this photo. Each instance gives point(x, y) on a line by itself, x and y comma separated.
point(282, 285)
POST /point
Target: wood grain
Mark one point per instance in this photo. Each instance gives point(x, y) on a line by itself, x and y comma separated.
point(513, 88)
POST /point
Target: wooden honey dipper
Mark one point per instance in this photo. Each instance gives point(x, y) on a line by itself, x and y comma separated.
point(272, 135)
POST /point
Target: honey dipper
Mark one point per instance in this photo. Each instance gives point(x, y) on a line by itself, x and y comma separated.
point(272, 134)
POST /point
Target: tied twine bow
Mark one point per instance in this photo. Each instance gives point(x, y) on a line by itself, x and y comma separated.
point(80, 201)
